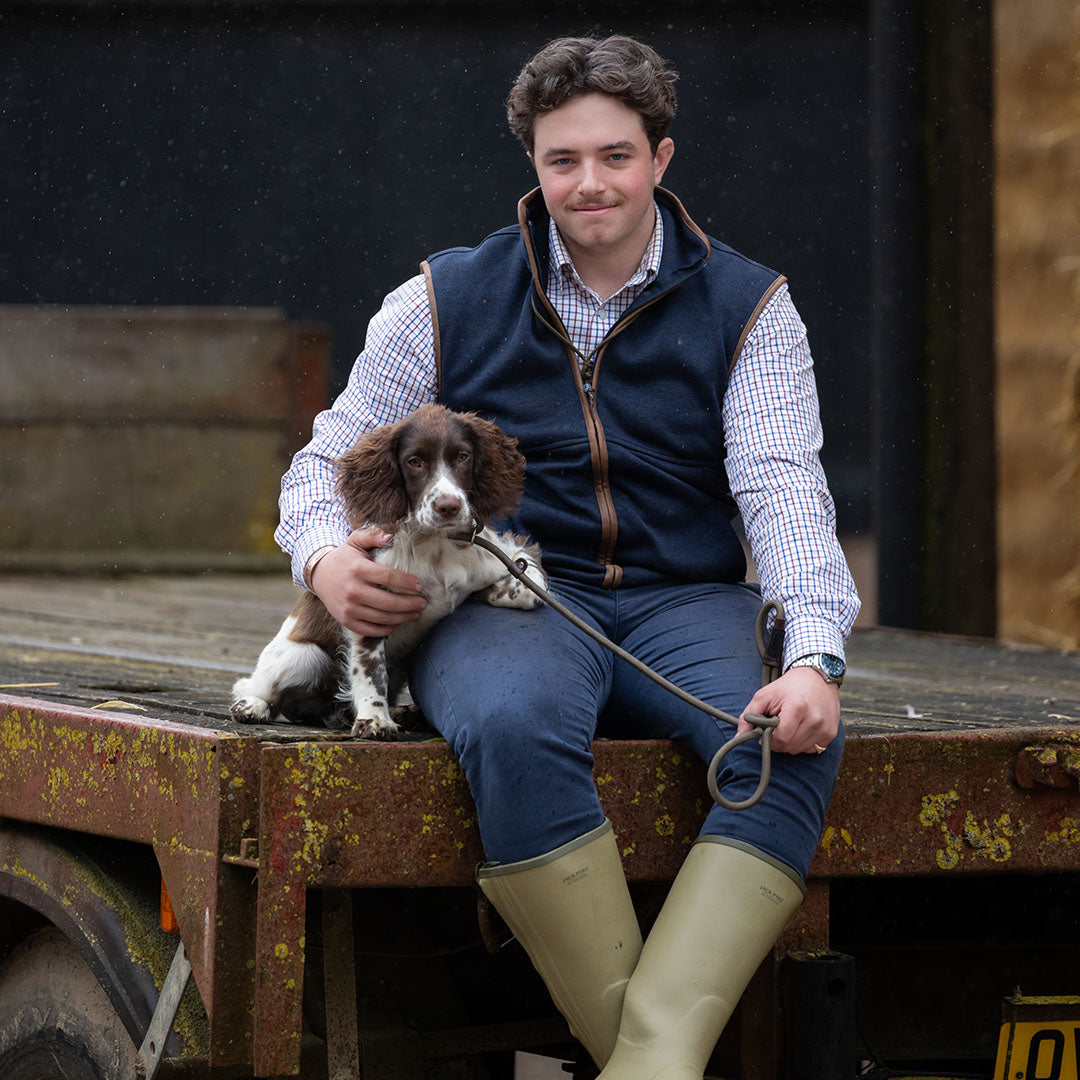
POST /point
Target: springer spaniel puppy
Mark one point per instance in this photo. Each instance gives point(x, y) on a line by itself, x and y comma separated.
point(425, 479)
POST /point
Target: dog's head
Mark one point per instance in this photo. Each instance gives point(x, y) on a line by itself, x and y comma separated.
point(443, 469)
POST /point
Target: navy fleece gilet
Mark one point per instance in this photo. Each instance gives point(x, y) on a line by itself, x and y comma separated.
point(626, 482)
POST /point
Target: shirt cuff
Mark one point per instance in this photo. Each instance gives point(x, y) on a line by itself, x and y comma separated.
point(308, 544)
point(810, 636)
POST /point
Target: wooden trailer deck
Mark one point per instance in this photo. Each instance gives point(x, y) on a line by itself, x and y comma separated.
point(963, 757)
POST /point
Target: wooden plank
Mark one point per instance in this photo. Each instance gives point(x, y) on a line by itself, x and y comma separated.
point(108, 364)
point(155, 488)
point(179, 643)
point(131, 434)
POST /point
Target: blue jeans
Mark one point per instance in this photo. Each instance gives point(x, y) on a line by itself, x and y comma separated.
point(520, 695)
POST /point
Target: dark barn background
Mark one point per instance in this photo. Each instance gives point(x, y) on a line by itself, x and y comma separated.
point(308, 155)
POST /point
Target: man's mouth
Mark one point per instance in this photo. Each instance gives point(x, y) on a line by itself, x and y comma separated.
point(599, 208)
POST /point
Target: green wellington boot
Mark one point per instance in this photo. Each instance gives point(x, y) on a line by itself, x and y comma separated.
point(571, 911)
point(726, 908)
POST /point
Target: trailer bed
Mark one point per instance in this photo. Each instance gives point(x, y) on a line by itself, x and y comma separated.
point(963, 758)
point(173, 645)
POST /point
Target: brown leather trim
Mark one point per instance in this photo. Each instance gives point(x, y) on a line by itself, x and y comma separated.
point(425, 269)
point(609, 521)
point(770, 292)
point(612, 576)
point(526, 236)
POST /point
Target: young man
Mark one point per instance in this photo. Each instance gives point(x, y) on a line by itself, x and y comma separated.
point(645, 369)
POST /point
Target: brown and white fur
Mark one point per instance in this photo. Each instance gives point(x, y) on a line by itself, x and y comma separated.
point(424, 479)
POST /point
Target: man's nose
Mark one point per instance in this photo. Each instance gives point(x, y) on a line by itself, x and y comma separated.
point(591, 180)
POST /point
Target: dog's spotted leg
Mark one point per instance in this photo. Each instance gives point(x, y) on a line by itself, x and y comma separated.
point(367, 688)
point(508, 591)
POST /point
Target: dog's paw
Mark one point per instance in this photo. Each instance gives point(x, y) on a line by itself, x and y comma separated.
point(509, 592)
point(251, 710)
point(379, 728)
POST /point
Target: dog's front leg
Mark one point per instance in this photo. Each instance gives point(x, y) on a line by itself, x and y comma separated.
point(506, 590)
point(367, 688)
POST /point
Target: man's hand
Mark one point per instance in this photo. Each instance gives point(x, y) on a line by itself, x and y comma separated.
point(808, 707)
point(367, 597)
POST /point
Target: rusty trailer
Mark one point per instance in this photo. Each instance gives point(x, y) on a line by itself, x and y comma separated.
point(318, 882)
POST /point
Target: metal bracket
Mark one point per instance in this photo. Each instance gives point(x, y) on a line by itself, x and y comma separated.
point(153, 1045)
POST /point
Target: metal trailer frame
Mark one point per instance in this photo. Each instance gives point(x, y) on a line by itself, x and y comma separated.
point(243, 827)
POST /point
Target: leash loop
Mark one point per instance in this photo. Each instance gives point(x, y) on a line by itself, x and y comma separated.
point(763, 728)
point(770, 645)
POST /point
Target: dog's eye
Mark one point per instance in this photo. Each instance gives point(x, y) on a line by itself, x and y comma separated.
point(463, 456)
point(415, 462)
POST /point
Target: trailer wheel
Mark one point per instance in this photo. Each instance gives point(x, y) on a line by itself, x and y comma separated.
point(55, 1019)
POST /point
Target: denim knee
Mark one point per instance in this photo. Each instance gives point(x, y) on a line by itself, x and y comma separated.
point(527, 756)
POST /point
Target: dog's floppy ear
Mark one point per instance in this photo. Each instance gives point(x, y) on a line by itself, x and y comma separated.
point(498, 470)
point(369, 481)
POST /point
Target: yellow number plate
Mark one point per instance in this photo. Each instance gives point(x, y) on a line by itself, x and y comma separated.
point(1038, 1050)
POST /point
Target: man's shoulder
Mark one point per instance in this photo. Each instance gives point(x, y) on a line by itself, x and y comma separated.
point(721, 254)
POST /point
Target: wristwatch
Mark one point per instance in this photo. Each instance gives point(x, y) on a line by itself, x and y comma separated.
point(830, 668)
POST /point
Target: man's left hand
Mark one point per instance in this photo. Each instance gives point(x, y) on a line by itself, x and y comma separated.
point(808, 708)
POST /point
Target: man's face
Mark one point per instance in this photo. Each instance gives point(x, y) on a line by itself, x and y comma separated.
point(597, 175)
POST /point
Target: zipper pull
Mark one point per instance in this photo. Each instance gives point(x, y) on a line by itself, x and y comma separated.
point(590, 393)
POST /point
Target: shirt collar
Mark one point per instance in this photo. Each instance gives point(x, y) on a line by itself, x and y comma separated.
point(647, 269)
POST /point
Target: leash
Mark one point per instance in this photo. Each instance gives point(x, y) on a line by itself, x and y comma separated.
point(770, 645)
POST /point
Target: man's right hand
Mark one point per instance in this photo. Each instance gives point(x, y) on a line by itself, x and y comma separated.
point(367, 597)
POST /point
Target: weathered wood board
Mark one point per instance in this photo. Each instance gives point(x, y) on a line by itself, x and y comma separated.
point(150, 437)
point(174, 645)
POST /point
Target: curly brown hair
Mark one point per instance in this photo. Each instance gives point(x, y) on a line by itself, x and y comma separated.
point(568, 67)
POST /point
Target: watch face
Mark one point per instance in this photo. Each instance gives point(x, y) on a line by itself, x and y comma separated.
point(833, 665)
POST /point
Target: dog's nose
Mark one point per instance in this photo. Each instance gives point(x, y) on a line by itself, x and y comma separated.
point(446, 506)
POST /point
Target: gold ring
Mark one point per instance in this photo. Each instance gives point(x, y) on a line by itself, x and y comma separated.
point(819, 749)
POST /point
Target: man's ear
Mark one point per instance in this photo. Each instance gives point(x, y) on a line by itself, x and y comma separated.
point(665, 150)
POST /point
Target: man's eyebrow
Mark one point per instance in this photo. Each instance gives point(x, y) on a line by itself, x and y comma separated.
point(558, 152)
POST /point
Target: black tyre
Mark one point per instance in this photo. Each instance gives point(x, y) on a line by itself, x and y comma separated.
point(55, 1019)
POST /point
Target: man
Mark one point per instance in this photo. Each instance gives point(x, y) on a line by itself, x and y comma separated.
point(644, 369)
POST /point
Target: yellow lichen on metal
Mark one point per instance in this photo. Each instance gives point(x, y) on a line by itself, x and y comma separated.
point(1068, 833)
point(315, 834)
point(57, 780)
point(936, 807)
point(70, 738)
point(985, 839)
point(839, 838)
point(989, 839)
point(18, 735)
